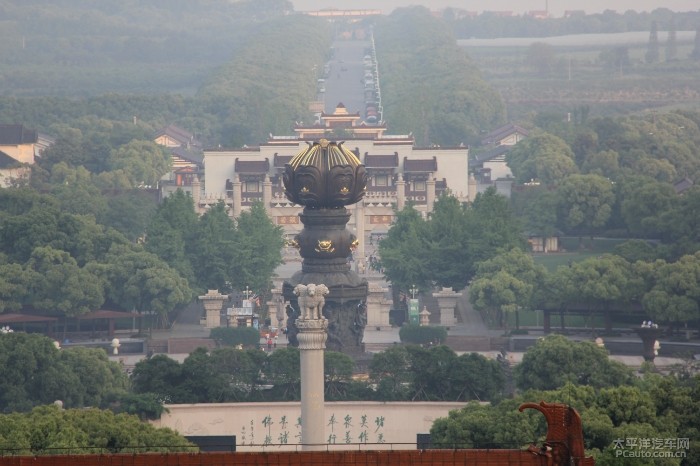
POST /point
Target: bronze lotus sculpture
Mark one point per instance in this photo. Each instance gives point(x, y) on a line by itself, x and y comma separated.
point(325, 175)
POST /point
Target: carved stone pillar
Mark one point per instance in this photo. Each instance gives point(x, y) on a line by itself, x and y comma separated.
point(400, 193)
point(312, 334)
point(430, 193)
point(237, 193)
point(378, 307)
point(472, 187)
point(447, 301)
point(267, 195)
point(196, 193)
point(213, 301)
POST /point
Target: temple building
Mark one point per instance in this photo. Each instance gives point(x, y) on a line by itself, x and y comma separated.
point(398, 171)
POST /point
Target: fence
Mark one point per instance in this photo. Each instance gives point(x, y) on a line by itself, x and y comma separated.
point(345, 458)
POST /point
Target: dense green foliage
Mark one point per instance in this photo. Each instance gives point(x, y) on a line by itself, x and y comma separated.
point(214, 251)
point(651, 407)
point(422, 334)
point(34, 372)
point(437, 373)
point(507, 283)
point(400, 373)
point(445, 249)
point(618, 181)
point(607, 285)
point(267, 85)
point(66, 264)
point(430, 87)
point(555, 360)
point(85, 48)
point(49, 430)
point(613, 402)
point(59, 260)
point(261, 83)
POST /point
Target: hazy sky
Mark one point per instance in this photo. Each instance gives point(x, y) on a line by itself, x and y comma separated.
point(556, 7)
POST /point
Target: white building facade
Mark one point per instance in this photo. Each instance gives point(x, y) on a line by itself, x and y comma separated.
point(398, 173)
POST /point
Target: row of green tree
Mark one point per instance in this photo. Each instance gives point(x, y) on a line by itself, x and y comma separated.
point(34, 372)
point(263, 85)
point(145, 47)
point(611, 176)
point(492, 25)
point(544, 60)
point(401, 373)
point(56, 259)
point(446, 248)
point(614, 402)
point(51, 430)
point(480, 244)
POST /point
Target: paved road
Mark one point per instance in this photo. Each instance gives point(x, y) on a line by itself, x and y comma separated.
point(345, 81)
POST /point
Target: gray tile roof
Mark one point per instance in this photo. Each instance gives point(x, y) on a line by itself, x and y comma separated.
point(17, 134)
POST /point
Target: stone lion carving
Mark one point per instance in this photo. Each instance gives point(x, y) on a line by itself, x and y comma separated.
point(311, 300)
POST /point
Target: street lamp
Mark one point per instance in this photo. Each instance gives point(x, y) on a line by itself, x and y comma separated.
point(413, 291)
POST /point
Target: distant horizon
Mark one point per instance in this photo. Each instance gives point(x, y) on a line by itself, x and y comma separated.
point(556, 8)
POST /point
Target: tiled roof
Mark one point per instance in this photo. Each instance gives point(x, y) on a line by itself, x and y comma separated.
point(683, 185)
point(500, 133)
point(21, 318)
point(382, 161)
point(190, 156)
point(252, 166)
point(492, 153)
point(420, 166)
point(17, 134)
point(177, 133)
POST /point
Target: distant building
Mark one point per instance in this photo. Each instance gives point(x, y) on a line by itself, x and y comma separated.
point(345, 14)
point(500, 14)
point(186, 158)
point(17, 152)
point(173, 136)
point(538, 14)
point(506, 135)
point(398, 171)
point(489, 165)
point(683, 185)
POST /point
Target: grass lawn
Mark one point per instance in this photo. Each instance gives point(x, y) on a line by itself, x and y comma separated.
point(572, 321)
point(576, 251)
point(551, 261)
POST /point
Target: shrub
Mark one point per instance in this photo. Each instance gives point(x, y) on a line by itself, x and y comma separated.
point(232, 336)
point(422, 335)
